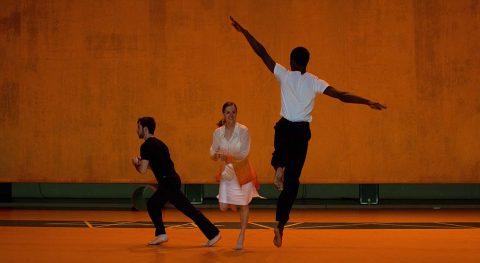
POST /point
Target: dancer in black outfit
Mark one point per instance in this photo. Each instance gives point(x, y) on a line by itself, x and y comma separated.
point(154, 154)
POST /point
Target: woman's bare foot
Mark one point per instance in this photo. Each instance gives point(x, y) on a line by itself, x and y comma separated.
point(239, 245)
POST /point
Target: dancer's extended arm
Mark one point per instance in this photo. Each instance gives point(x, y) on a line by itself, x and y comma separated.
point(256, 46)
point(350, 98)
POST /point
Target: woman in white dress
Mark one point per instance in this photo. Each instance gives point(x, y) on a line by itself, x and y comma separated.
point(231, 145)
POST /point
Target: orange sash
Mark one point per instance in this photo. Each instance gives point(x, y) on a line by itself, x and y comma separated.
point(243, 170)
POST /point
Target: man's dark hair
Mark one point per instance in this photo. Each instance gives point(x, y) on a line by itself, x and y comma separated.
point(300, 56)
point(148, 122)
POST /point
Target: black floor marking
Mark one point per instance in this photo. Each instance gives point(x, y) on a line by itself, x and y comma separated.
point(251, 225)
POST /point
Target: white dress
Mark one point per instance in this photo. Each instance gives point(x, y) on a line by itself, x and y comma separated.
point(230, 191)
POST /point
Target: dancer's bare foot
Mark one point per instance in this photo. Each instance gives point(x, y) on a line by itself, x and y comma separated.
point(239, 245)
point(278, 179)
point(159, 240)
point(277, 240)
point(213, 241)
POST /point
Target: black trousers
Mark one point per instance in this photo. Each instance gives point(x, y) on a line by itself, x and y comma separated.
point(169, 190)
point(291, 144)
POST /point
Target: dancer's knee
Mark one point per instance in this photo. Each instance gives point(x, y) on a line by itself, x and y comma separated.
point(291, 188)
point(223, 207)
point(150, 203)
point(244, 208)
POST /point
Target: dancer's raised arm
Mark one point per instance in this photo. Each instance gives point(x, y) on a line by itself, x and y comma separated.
point(256, 46)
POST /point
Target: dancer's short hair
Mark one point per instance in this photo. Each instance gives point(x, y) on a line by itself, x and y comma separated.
point(148, 122)
point(300, 56)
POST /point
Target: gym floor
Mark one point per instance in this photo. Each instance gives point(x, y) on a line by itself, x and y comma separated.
point(318, 235)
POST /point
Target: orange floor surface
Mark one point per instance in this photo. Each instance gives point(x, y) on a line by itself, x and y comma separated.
point(370, 235)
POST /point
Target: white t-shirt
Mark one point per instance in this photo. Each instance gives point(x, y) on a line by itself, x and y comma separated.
point(298, 93)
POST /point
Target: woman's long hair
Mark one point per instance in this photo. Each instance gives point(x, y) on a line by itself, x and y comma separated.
point(221, 122)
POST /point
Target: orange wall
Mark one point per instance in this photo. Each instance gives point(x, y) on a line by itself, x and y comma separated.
point(76, 75)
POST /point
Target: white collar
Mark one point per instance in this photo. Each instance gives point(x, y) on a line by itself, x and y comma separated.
point(235, 130)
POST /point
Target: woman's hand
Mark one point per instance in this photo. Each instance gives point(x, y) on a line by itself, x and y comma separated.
point(220, 156)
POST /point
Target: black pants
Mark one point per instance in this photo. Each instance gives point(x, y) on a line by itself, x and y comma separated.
point(169, 190)
point(291, 144)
